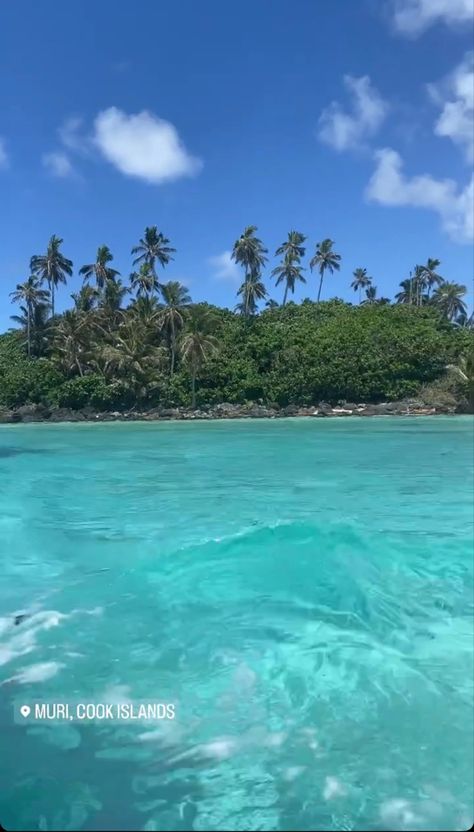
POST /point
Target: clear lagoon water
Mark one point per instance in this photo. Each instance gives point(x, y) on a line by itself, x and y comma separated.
point(301, 590)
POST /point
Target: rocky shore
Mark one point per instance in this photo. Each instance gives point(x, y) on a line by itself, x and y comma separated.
point(408, 407)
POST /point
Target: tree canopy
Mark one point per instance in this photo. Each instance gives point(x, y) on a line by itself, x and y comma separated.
point(144, 343)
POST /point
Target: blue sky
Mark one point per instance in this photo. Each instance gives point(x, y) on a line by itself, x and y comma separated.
point(343, 118)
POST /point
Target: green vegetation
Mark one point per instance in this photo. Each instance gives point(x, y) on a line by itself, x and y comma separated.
point(142, 343)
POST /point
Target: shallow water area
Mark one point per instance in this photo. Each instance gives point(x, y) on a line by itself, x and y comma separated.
point(301, 589)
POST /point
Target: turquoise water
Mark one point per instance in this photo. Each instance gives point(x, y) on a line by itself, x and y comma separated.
point(301, 590)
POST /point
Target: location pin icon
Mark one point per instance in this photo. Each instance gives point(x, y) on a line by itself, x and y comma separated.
point(25, 710)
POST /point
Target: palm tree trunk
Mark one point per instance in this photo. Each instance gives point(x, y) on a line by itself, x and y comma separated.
point(360, 294)
point(320, 286)
point(28, 329)
point(173, 348)
point(78, 365)
point(193, 386)
point(285, 295)
point(51, 289)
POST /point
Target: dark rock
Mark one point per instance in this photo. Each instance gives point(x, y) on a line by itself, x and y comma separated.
point(33, 413)
point(444, 407)
point(258, 411)
point(169, 412)
point(90, 413)
point(368, 410)
point(225, 410)
point(9, 416)
point(385, 409)
point(323, 409)
point(291, 410)
point(410, 403)
point(153, 415)
point(196, 414)
point(296, 410)
point(66, 414)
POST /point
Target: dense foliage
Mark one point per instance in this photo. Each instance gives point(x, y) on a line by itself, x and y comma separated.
point(294, 354)
point(144, 343)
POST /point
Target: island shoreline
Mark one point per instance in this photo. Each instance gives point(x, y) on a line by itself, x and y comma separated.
point(34, 413)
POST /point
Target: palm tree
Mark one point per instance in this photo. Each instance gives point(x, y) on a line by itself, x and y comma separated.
point(290, 269)
point(144, 310)
point(464, 369)
point(371, 297)
point(152, 247)
point(406, 295)
point(137, 362)
point(289, 272)
point(109, 313)
point(271, 304)
point(252, 290)
point(429, 276)
point(448, 298)
point(361, 281)
point(31, 295)
point(85, 299)
point(325, 259)
point(100, 270)
point(70, 341)
point(293, 246)
point(113, 295)
point(52, 267)
point(464, 320)
point(176, 299)
point(197, 344)
point(249, 252)
point(39, 326)
point(419, 285)
point(145, 281)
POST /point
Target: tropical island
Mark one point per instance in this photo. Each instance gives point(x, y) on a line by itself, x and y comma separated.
point(141, 348)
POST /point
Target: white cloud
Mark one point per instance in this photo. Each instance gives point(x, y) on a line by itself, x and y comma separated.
point(412, 17)
point(344, 130)
point(225, 268)
point(143, 146)
point(3, 154)
point(58, 164)
point(455, 96)
point(455, 206)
